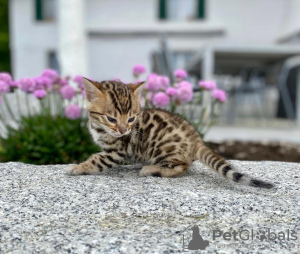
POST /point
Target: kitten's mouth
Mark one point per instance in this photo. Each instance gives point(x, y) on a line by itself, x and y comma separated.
point(118, 135)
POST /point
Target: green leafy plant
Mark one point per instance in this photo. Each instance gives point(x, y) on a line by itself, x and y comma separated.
point(44, 139)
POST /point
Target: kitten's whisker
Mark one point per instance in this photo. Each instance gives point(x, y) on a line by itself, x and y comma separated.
point(140, 133)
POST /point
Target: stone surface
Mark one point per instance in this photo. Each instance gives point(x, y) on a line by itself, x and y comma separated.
point(44, 210)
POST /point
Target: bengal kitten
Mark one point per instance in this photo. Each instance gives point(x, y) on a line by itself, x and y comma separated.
point(165, 142)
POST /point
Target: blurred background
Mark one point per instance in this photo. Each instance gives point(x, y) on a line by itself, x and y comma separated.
point(250, 48)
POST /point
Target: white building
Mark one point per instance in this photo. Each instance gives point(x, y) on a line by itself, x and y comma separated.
point(104, 39)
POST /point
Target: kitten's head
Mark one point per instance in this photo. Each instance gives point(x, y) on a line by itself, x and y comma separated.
point(112, 105)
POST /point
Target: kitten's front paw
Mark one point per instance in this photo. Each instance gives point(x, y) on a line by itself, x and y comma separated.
point(150, 170)
point(75, 170)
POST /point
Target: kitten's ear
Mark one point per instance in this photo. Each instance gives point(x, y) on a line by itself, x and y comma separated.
point(91, 91)
point(138, 87)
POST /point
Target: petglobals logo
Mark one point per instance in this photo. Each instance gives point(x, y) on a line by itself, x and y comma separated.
point(193, 238)
point(262, 235)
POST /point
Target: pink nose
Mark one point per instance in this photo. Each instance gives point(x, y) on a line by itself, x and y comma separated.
point(122, 130)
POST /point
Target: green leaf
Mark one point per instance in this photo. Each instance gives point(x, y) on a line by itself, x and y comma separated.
point(43, 139)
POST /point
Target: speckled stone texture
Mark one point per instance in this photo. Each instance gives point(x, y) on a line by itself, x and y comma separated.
point(43, 210)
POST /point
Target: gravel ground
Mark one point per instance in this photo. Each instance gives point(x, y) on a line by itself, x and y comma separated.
point(43, 210)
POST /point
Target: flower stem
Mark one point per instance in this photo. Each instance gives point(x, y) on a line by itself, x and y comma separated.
point(200, 98)
point(27, 105)
point(55, 103)
point(213, 118)
point(173, 107)
point(18, 102)
point(200, 120)
point(8, 107)
point(48, 101)
point(146, 101)
point(3, 118)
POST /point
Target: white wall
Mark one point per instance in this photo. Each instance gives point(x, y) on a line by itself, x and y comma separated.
point(30, 40)
point(254, 21)
point(249, 21)
point(291, 23)
point(120, 12)
point(112, 56)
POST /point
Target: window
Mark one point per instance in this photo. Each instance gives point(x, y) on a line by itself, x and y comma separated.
point(53, 61)
point(181, 10)
point(45, 10)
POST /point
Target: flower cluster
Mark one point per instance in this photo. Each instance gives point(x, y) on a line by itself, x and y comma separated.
point(45, 84)
point(138, 70)
point(158, 91)
point(161, 93)
point(5, 83)
point(73, 111)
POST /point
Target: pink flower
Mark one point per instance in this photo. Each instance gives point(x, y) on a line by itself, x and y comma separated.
point(164, 81)
point(78, 79)
point(63, 81)
point(180, 74)
point(207, 85)
point(51, 74)
point(150, 96)
point(73, 111)
point(40, 93)
point(67, 92)
point(153, 82)
point(185, 94)
point(4, 87)
point(116, 79)
point(185, 84)
point(219, 95)
point(172, 92)
point(142, 101)
point(27, 84)
point(83, 93)
point(161, 100)
point(5, 77)
point(14, 84)
point(43, 82)
point(138, 69)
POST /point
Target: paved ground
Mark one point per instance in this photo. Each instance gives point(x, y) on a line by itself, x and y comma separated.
point(44, 210)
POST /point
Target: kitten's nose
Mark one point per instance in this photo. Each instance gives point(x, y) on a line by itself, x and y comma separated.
point(122, 130)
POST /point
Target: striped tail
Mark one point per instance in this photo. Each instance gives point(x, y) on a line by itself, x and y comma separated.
point(220, 165)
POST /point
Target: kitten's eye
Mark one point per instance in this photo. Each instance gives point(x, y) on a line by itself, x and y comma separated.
point(112, 120)
point(130, 120)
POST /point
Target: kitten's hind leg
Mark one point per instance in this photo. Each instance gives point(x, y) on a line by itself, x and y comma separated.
point(154, 170)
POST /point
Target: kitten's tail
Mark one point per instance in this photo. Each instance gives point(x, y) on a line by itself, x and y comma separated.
point(219, 164)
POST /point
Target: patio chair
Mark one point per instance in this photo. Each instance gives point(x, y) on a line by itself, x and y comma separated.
point(288, 65)
point(252, 86)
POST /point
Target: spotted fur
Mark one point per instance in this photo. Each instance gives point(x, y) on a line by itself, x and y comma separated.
point(166, 143)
